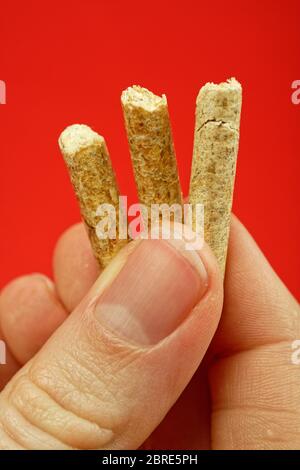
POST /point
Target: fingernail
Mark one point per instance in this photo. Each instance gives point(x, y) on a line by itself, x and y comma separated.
point(154, 292)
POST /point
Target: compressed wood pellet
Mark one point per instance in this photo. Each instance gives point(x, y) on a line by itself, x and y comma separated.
point(151, 147)
point(216, 142)
point(93, 179)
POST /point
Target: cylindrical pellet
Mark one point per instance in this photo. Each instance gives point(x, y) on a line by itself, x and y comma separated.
point(151, 147)
point(215, 152)
point(93, 179)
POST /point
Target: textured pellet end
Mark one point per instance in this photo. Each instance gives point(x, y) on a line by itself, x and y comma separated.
point(220, 103)
point(77, 137)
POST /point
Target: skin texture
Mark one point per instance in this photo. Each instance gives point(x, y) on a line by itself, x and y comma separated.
point(235, 388)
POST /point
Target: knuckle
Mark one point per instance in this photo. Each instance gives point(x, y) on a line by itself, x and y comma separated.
point(33, 418)
point(83, 386)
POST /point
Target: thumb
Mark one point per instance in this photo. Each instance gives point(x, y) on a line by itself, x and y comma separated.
point(111, 372)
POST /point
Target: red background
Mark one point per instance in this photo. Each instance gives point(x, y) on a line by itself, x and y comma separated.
point(67, 61)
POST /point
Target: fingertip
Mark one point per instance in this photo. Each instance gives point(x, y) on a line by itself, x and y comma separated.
point(30, 312)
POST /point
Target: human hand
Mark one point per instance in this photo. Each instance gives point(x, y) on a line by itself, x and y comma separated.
point(109, 376)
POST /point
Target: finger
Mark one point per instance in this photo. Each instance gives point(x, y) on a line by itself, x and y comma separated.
point(74, 266)
point(253, 382)
point(29, 313)
point(112, 371)
point(187, 425)
point(257, 303)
